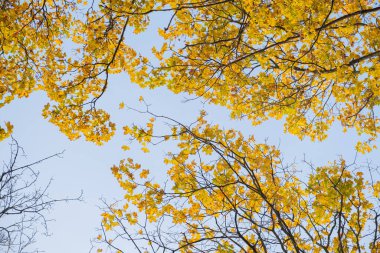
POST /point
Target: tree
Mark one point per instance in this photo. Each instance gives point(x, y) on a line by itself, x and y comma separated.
point(35, 55)
point(308, 62)
point(227, 193)
point(23, 203)
point(31, 55)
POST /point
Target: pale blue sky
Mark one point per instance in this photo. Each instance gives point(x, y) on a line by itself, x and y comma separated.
point(86, 167)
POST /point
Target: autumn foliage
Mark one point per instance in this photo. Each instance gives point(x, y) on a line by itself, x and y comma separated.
point(228, 193)
point(309, 63)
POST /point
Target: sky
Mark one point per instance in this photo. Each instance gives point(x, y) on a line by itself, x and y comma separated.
point(86, 167)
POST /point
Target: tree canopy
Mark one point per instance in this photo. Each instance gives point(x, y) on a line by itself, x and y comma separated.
point(31, 48)
point(228, 193)
point(308, 63)
point(311, 63)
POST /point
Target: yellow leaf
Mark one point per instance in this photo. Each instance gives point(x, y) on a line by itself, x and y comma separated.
point(125, 147)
